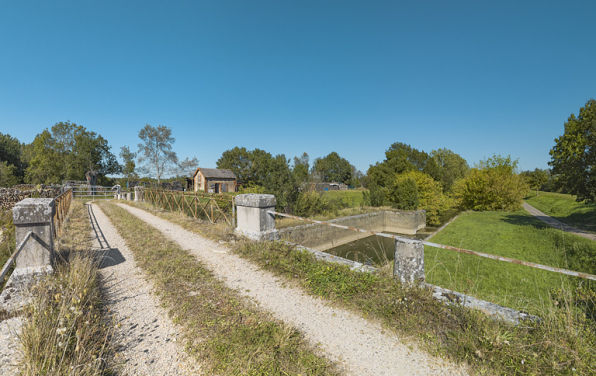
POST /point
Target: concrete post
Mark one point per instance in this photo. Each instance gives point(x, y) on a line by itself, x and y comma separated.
point(37, 215)
point(409, 262)
point(254, 221)
point(129, 196)
point(137, 194)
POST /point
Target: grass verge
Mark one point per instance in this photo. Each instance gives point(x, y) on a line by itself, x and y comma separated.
point(64, 333)
point(564, 208)
point(221, 329)
point(517, 235)
point(563, 343)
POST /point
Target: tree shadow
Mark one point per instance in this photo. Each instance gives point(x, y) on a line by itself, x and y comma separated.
point(524, 220)
point(583, 221)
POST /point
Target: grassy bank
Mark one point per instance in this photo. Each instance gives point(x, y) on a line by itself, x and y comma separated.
point(562, 343)
point(64, 333)
point(220, 327)
point(565, 209)
point(516, 235)
point(353, 198)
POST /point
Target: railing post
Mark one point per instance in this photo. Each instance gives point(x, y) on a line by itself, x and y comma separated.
point(409, 262)
point(35, 214)
point(254, 220)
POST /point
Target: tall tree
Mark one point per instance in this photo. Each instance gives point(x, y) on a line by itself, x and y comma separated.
point(573, 158)
point(400, 158)
point(156, 156)
point(301, 167)
point(67, 152)
point(128, 168)
point(333, 168)
point(450, 167)
point(537, 178)
point(238, 160)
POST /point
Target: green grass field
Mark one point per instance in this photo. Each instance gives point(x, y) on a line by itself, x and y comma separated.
point(352, 197)
point(516, 235)
point(565, 209)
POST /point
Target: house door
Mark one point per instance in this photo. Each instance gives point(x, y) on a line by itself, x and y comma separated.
point(217, 185)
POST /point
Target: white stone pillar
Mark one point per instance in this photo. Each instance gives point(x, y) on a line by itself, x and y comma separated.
point(409, 262)
point(37, 215)
point(254, 220)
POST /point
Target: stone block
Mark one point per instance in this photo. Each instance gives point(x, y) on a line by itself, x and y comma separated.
point(36, 215)
point(254, 219)
point(409, 262)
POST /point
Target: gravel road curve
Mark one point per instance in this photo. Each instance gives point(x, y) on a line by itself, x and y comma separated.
point(145, 338)
point(357, 344)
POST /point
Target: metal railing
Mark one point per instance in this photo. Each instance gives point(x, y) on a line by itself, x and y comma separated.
point(14, 256)
point(92, 192)
point(461, 250)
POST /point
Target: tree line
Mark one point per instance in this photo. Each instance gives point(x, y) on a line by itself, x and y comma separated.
point(407, 178)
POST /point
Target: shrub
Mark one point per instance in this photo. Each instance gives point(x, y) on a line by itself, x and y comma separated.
point(375, 195)
point(404, 194)
point(492, 185)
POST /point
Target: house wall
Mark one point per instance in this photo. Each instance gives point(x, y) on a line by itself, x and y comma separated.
point(210, 186)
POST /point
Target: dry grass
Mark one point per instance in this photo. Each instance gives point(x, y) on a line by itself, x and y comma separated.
point(64, 333)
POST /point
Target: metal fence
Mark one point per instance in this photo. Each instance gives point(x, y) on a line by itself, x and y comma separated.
point(92, 192)
point(461, 250)
point(208, 207)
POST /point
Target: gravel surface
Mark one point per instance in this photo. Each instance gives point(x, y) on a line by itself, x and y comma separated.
point(558, 224)
point(145, 338)
point(360, 346)
point(9, 345)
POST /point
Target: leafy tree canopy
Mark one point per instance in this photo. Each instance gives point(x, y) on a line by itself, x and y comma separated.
point(450, 167)
point(67, 152)
point(10, 151)
point(537, 178)
point(333, 168)
point(573, 158)
point(128, 168)
point(400, 158)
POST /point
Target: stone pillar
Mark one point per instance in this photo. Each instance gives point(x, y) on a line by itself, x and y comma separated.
point(409, 262)
point(128, 196)
point(254, 221)
point(138, 194)
point(37, 215)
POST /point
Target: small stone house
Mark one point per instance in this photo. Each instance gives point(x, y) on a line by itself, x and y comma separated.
point(212, 180)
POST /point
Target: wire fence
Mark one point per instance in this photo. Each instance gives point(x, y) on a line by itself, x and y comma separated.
point(207, 207)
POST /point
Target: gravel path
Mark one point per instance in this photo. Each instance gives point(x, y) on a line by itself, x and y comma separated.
point(357, 344)
point(9, 345)
point(558, 224)
point(145, 338)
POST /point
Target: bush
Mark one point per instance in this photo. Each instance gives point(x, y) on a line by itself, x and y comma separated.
point(375, 195)
point(311, 203)
point(428, 193)
point(404, 194)
point(492, 185)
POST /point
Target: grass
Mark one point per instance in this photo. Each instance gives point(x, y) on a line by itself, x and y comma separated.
point(353, 198)
point(516, 235)
point(221, 328)
point(64, 332)
point(564, 208)
point(563, 343)
point(7, 239)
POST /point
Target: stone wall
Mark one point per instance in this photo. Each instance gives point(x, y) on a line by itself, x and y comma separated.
point(323, 237)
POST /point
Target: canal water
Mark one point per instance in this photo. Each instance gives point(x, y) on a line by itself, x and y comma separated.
point(374, 250)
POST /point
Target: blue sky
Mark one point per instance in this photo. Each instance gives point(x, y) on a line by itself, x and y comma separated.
point(290, 77)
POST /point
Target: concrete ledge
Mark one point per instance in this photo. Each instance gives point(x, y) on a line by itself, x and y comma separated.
point(255, 200)
point(490, 309)
point(354, 265)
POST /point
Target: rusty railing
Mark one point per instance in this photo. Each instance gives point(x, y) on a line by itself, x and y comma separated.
point(208, 207)
point(13, 257)
point(62, 206)
point(461, 250)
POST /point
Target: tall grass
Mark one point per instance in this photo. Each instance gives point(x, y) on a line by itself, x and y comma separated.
point(64, 333)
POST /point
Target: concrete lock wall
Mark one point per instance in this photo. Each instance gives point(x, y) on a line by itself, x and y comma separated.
point(322, 237)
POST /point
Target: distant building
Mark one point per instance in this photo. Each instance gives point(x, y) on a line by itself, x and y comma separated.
point(320, 187)
point(212, 180)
